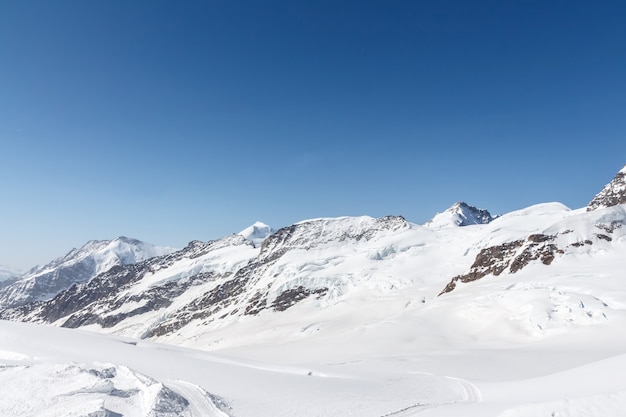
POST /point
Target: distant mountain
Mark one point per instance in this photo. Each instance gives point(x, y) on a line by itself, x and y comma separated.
point(460, 214)
point(8, 272)
point(320, 263)
point(78, 265)
point(8, 275)
point(256, 233)
point(557, 267)
point(612, 194)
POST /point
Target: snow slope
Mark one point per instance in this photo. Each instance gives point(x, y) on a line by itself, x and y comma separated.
point(53, 371)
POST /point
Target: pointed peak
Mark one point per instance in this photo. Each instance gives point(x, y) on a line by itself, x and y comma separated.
point(612, 194)
point(460, 214)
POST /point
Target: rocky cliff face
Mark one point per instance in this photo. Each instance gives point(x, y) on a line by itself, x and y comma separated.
point(612, 194)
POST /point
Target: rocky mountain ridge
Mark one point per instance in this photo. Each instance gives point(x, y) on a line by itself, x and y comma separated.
point(612, 194)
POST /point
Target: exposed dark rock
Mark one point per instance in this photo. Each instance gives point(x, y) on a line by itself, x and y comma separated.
point(604, 237)
point(610, 227)
point(257, 303)
point(538, 238)
point(493, 260)
point(612, 194)
point(496, 259)
point(294, 295)
point(538, 249)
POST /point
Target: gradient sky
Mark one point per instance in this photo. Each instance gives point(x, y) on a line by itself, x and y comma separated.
point(171, 121)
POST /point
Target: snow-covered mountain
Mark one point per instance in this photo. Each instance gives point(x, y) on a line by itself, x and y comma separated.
point(78, 265)
point(460, 214)
point(518, 315)
point(326, 264)
point(257, 233)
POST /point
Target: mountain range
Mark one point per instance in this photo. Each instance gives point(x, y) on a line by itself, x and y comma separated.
point(134, 289)
point(470, 314)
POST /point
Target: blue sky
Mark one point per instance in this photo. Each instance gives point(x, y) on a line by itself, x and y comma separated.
point(173, 121)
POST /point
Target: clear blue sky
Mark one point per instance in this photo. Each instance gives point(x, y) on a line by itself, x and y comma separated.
point(171, 121)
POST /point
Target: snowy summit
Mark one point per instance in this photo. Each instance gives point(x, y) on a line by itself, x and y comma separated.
point(460, 214)
point(256, 233)
point(78, 265)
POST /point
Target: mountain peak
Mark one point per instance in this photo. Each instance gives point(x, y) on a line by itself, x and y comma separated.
point(256, 233)
point(129, 240)
point(77, 266)
point(612, 194)
point(460, 214)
